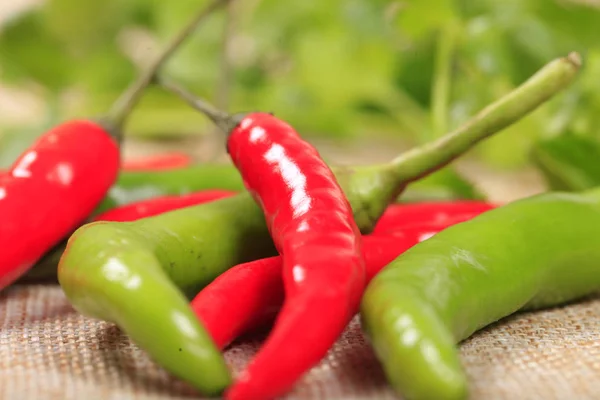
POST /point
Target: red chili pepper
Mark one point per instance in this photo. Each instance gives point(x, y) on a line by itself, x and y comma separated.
point(313, 227)
point(243, 297)
point(159, 162)
point(441, 212)
point(250, 294)
point(50, 189)
point(159, 205)
point(65, 174)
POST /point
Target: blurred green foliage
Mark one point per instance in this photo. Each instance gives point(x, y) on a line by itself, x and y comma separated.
point(568, 162)
point(340, 68)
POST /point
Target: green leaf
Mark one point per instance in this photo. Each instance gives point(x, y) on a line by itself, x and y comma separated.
point(28, 52)
point(13, 143)
point(103, 75)
point(485, 49)
point(414, 70)
point(574, 112)
point(418, 18)
point(158, 116)
point(568, 162)
point(341, 68)
point(84, 25)
point(509, 148)
point(196, 62)
point(445, 184)
point(576, 23)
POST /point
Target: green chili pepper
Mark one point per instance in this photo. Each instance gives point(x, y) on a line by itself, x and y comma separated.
point(568, 162)
point(444, 184)
point(129, 273)
point(135, 186)
point(142, 185)
point(537, 252)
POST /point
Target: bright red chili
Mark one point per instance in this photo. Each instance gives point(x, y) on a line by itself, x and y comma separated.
point(159, 205)
point(65, 174)
point(441, 212)
point(50, 190)
point(313, 227)
point(158, 162)
point(250, 294)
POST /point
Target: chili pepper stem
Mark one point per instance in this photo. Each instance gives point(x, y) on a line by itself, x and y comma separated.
point(391, 179)
point(373, 188)
point(220, 118)
point(122, 108)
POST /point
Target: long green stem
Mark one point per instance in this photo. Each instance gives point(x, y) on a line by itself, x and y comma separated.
point(378, 185)
point(551, 79)
point(373, 188)
point(122, 108)
point(219, 117)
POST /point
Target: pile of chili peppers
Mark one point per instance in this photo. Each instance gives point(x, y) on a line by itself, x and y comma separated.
point(281, 239)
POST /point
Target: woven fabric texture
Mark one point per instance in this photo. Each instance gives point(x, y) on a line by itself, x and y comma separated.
point(48, 351)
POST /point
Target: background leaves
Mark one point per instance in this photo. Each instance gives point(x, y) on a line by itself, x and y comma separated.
point(341, 69)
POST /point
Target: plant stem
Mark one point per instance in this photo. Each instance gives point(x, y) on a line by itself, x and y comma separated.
point(440, 96)
point(548, 81)
point(124, 105)
point(387, 181)
point(220, 118)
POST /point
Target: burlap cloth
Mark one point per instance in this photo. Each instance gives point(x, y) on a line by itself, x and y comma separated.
point(49, 351)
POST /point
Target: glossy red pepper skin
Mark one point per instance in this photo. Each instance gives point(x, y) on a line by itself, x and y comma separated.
point(50, 190)
point(312, 226)
point(443, 213)
point(250, 294)
point(242, 298)
point(158, 162)
point(159, 205)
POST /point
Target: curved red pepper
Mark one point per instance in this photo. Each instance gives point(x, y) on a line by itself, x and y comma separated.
point(243, 297)
point(158, 162)
point(159, 205)
point(50, 190)
point(250, 294)
point(313, 227)
point(59, 181)
point(433, 212)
